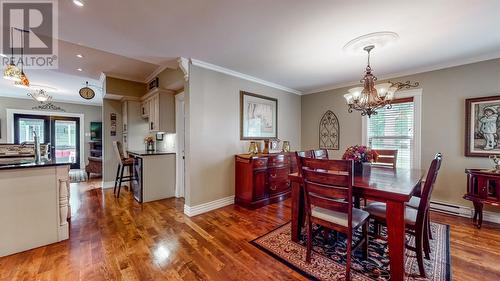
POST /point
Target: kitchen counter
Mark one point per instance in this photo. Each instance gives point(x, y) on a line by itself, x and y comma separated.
point(34, 204)
point(148, 153)
point(154, 175)
point(9, 163)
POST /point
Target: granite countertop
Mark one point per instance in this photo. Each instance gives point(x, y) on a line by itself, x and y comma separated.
point(30, 164)
point(149, 153)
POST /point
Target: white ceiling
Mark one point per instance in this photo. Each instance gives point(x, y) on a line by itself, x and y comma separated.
point(67, 80)
point(294, 43)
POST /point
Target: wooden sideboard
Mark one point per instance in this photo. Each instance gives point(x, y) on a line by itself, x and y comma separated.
point(263, 179)
point(483, 187)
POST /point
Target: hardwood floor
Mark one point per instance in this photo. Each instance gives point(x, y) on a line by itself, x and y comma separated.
point(119, 239)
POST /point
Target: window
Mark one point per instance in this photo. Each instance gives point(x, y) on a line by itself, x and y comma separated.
point(397, 128)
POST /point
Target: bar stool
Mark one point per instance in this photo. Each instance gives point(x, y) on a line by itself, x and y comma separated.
point(123, 162)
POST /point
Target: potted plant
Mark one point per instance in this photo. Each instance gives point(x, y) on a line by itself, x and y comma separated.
point(150, 143)
point(360, 154)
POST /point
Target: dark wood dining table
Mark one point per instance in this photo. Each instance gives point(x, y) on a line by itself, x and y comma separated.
point(392, 186)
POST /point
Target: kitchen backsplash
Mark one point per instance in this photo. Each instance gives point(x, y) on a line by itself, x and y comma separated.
point(21, 150)
point(167, 144)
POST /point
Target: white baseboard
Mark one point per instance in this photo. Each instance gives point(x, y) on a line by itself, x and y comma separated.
point(107, 184)
point(191, 211)
point(463, 211)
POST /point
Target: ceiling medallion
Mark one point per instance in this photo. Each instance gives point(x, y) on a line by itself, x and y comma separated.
point(371, 97)
point(87, 92)
point(377, 39)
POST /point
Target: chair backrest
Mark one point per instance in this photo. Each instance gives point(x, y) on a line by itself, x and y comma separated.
point(328, 184)
point(321, 154)
point(425, 199)
point(119, 153)
point(302, 154)
point(386, 157)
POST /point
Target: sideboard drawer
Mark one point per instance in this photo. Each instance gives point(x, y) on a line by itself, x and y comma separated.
point(277, 187)
point(278, 160)
point(260, 163)
point(278, 174)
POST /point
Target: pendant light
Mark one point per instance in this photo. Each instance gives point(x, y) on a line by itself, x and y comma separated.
point(12, 72)
point(24, 82)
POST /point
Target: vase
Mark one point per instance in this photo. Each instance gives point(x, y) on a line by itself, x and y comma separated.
point(362, 168)
point(358, 168)
point(150, 146)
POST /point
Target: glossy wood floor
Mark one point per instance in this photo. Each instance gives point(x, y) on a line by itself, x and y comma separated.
point(118, 239)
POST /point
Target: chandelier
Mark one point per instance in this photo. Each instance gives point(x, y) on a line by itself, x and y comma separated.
point(371, 97)
point(40, 95)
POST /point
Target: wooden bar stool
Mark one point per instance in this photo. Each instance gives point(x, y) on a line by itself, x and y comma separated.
point(123, 162)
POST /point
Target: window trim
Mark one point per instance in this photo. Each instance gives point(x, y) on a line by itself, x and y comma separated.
point(416, 94)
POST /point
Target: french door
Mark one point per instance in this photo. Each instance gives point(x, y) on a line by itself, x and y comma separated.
point(61, 133)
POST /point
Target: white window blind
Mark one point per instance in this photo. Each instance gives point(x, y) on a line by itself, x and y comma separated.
point(394, 129)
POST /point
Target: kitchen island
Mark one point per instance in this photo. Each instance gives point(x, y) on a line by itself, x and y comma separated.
point(34, 204)
point(154, 175)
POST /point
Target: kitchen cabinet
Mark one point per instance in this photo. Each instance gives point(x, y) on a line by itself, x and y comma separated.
point(161, 110)
point(145, 109)
point(134, 126)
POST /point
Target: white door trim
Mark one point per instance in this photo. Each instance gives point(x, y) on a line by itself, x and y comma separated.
point(180, 182)
point(417, 101)
point(10, 125)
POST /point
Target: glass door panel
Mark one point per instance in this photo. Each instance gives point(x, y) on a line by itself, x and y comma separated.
point(65, 141)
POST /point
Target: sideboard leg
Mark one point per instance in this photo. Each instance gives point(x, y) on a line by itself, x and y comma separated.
point(480, 215)
point(474, 219)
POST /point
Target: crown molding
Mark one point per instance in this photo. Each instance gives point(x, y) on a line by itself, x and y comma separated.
point(230, 72)
point(445, 65)
point(155, 73)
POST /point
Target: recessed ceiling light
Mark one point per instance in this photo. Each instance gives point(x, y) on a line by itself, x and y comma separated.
point(79, 3)
point(79, 69)
point(79, 55)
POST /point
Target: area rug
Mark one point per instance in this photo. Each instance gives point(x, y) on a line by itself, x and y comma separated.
point(328, 259)
point(76, 175)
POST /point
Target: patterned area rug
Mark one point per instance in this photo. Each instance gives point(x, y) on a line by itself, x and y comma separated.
point(76, 175)
point(328, 259)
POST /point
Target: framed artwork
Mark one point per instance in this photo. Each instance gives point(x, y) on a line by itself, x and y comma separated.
point(112, 118)
point(258, 117)
point(329, 131)
point(482, 126)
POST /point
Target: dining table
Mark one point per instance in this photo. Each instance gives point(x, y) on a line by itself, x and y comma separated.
point(394, 186)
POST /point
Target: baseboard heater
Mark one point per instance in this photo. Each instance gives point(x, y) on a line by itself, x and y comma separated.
point(451, 209)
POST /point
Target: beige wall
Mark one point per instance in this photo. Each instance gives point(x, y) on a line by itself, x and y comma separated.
point(110, 161)
point(91, 114)
point(172, 79)
point(443, 95)
point(121, 87)
point(213, 130)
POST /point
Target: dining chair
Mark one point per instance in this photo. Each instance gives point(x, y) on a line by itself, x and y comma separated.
point(303, 154)
point(416, 220)
point(328, 202)
point(320, 153)
point(386, 157)
point(123, 161)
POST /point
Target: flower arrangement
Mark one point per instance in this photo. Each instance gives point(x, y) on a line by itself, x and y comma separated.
point(360, 154)
point(149, 140)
